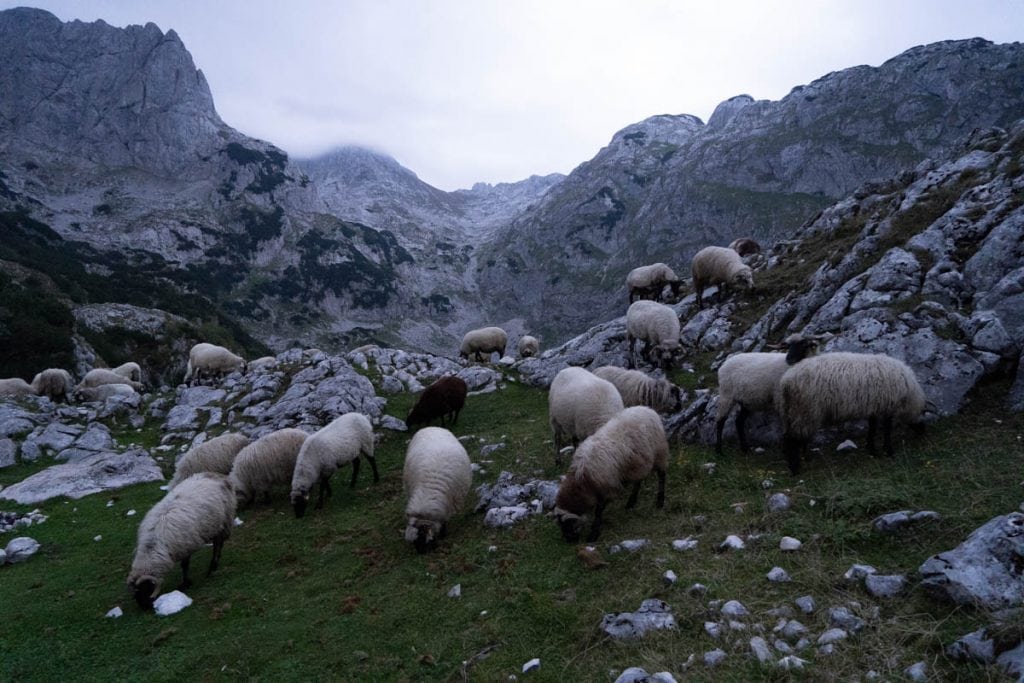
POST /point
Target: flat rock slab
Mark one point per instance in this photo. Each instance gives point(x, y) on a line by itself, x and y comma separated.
point(100, 472)
point(653, 615)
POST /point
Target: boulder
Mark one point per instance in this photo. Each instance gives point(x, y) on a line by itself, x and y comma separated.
point(652, 615)
point(92, 474)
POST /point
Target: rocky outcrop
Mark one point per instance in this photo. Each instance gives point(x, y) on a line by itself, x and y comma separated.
point(100, 472)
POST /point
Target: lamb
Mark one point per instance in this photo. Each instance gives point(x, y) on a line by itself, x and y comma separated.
point(444, 398)
point(211, 359)
point(339, 443)
point(15, 387)
point(131, 370)
point(722, 267)
point(657, 326)
point(100, 376)
point(579, 402)
point(216, 455)
point(55, 383)
point(750, 380)
point(484, 340)
point(267, 462)
point(637, 389)
point(103, 392)
point(650, 281)
point(200, 510)
point(437, 477)
point(528, 346)
point(624, 450)
point(835, 387)
point(745, 246)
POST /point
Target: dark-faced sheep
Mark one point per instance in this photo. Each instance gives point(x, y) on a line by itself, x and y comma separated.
point(437, 476)
point(442, 399)
point(528, 346)
point(722, 267)
point(54, 383)
point(625, 450)
point(657, 326)
point(648, 282)
point(745, 246)
point(835, 387)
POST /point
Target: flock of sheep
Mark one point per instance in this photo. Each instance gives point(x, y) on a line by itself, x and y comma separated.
point(609, 415)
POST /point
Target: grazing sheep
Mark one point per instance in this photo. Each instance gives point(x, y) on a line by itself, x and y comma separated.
point(649, 281)
point(55, 383)
point(200, 510)
point(99, 376)
point(103, 392)
point(745, 246)
point(267, 462)
point(211, 359)
point(484, 340)
point(216, 455)
point(750, 380)
point(131, 370)
point(444, 398)
point(339, 443)
point(835, 387)
point(722, 267)
point(579, 402)
point(624, 450)
point(657, 326)
point(15, 387)
point(437, 477)
point(637, 389)
point(528, 346)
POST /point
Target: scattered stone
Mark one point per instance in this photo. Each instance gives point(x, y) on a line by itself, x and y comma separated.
point(653, 615)
point(778, 575)
point(114, 613)
point(669, 577)
point(790, 662)
point(917, 672)
point(709, 467)
point(171, 603)
point(737, 625)
point(97, 537)
point(505, 516)
point(93, 474)
point(713, 629)
point(893, 521)
point(760, 648)
point(738, 508)
point(631, 546)
point(857, 572)
point(130, 513)
point(20, 549)
point(781, 612)
point(793, 630)
point(885, 586)
point(778, 502)
point(975, 646)
point(826, 649)
point(637, 675)
point(925, 516)
point(699, 521)
point(789, 544)
point(531, 665)
point(831, 636)
point(782, 646)
point(681, 544)
point(732, 542)
point(238, 522)
point(714, 657)
point(805, 603)
point(846, 446)
point(697, 589)
point(841, 617)
point(393, 423)
point(767, 484)
point(487, 450)
point(455, 591)
point(734, 609)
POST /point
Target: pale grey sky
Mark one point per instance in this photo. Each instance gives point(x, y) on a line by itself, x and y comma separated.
point(461, 91)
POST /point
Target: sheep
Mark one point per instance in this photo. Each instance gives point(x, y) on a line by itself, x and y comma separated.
point(835, 387)
point(484, 340)
point(339, 443)
point(437, 477)
point(267, 462)
point(131, 370)
point(263, 364)
point(657, 326)
point(15, 387)
point(103, 392)
point(100, 376)
point(650, 281)
point(745, 246)
point(55, 383)
point(749, 380)
point(198, 511)
point(637, 389)
point(579, 402)
point(722, 267)
point(216, 455)
point(625, 449)
point(206, 358)
point(528, 346)
point(444, 398)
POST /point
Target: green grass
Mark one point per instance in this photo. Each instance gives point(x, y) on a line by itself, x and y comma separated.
point(339, 595)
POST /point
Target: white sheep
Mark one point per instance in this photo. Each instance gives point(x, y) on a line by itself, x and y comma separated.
point(579, 402)
point(263, 364)
point(657, 326)
point(56, 383)
point(198, 511)
point(650, 281)
point(835, 387)
point(437, 477)
point(528, 346)
point(216, 455)
point(719, 266)
point(131, 370)
point(750, 381)
point(484, 340)
point(624, 450)
point(15, 387)
point(103, 392)
point(99, 376)
point(638, 389)
point(267, 462)
point(339, 443)
point(205, 358)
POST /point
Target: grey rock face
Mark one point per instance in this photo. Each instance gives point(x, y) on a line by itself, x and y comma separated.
point(100, 472)
point(8, 452)
point(652, 615)
point(984, 570)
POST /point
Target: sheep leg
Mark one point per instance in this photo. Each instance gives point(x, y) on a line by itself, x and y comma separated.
point(699, 291)
point(185, 583)
point(719, 425)
point(355, 472)
point(373, 465)
point(792, 446)
point(595, 528)
point(660, 501)
point(634, 495)
point(443, 533)
point(887, 434)
point(324, 485)
point(632, 350)
point(266, 497)
point(741, 421)
point(872, 428)
point(218, 546)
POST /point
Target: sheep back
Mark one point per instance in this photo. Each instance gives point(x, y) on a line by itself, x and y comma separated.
point(53, 382)
point(15, 387)
point(436, 476)
point(131, 370)
point(210, 358)
point(324, 451)
point(216, 455)
point(749, 379)
point(579, 402)
point(267, 462)
point(483, 340)
point(100, 376)
point(638, 389)
point(717, 265)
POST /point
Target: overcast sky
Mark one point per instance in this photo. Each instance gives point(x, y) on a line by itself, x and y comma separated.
point(461, 91)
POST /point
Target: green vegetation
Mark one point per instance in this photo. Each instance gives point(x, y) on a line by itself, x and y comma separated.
point(35, 329)
point(339, 595)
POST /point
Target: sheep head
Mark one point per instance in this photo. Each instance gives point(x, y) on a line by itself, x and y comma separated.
point(145, 588)
point(743, 279)
point(300, 500)
point(423, 534)
point(570, 523)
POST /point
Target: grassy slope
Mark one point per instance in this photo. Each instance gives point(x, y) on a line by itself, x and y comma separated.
point(339, 595)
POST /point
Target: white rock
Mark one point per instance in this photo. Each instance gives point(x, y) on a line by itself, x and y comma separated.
point(805, 603)
point(669, 577)
point(20, 549)
point(238, 522)
point(737, 625)
point(130, 513)
point(782, 646)
point(682, 544)
point(713, 629)
point(788, 543)
point(709, 467)
point(734, 608)
point(492, 548)
point(778, 575)
point(165, 487)
point(759, 646)
point(715, 657)
point(110, 503)
point(857, 572)
point(531, 665)
point(732, 542)
point(631, 545)
point(97, 537)
point(455, 591)
point(115, 612)
point(917, 672)
point(171, 603)
point(791, 662)
point(831, 636)
point(846, 446)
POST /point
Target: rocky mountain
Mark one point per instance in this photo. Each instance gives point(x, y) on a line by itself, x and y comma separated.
point(665, 187)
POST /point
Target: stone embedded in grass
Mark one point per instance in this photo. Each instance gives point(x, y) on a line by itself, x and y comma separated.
point(827, 649)
point(713, 629)
point(130, 513)
point(114, 612)
point(455, 591)
point(778, 502)
point(846, 446)
point(714, 657)
point(805, 603)
point(531, 665)
point(793, 630)
point(632, 545)
point(20, 549)
point(709, 467)
point(732, 542)
point(976, 646)
point(735, 609)
point(393, 424)
point(841, 617)
point(738, 508)
point(885, 586)
point(759, 646)
point(697, 589)
point(505, 516)
point(171, 603)
point(669, 577)
point(917, 672)
point(832, 635)
point(791, 662)
point(892, 521)
point(778, 575)
point(789, 544)
point(487, 450)
point(653, 615)
point(238, 522)
point(782, 646)
point(698, 521)
point(682, 544)
point(857, 572)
